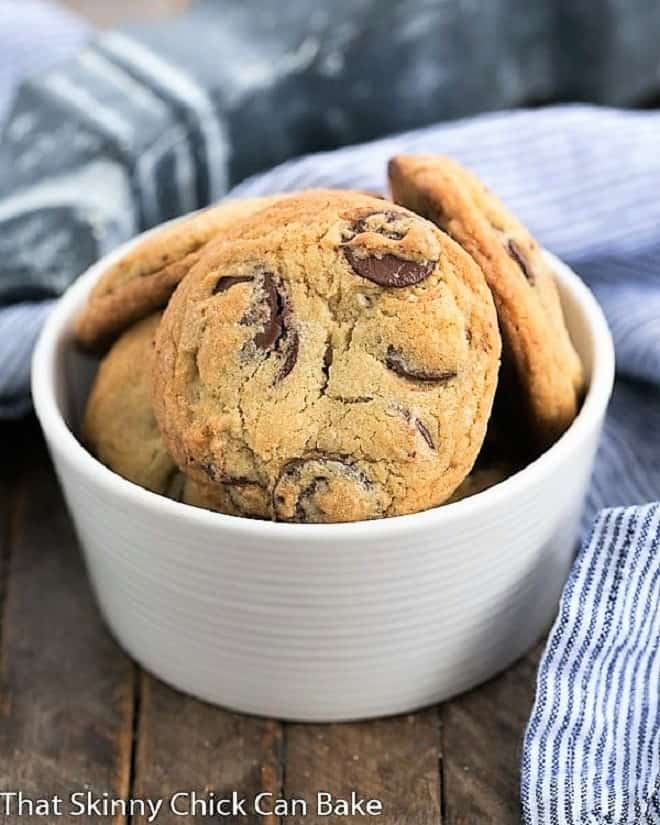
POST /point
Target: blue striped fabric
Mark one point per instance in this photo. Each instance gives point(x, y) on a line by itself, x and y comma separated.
point(592, 747)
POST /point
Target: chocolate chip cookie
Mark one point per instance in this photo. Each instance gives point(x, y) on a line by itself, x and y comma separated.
point(332, 359)
point(219, 499)
point(535, 338)
point(143, 279)
point(480, 479)
point(119, 425)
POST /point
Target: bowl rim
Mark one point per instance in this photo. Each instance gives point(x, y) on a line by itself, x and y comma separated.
point(57, 331)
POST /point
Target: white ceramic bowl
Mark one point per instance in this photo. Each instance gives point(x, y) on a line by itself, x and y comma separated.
point(325, 622)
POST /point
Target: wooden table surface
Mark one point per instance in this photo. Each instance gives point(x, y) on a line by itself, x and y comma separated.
point(77, 713)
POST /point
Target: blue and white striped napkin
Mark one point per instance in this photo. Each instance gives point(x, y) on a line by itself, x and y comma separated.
point(592, 747)
point(587, 181)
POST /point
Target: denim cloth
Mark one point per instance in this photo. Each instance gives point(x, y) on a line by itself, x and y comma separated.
point(587, 182)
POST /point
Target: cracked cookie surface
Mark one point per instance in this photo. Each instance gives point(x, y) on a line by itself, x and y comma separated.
point(143, 279)
point(119, 425)
point(332, 359)
point(534, 334)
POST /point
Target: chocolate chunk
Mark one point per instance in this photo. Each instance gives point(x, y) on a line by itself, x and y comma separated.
point(302, 480)
point(272, 317)
point(290, 355)
point(288, 341)
point(420, 426)
point(386, 269)
point(518, 256)
point(231, 280)
point(354, 399)
point(394, 361)
point(423, 431)
point(273, 314)
point(307, 494)
point(389, 270)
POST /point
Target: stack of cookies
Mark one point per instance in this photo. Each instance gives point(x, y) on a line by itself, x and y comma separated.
point(330, 356)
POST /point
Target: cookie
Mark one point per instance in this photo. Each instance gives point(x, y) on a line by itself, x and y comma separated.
point(332, 359)
point(143, 279)
point(535, 338)
point(480, 479)
point(220, 499)
point(119, 425)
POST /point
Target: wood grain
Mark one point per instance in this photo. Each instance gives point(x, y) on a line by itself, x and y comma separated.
point(393, 760)
point(481, 738)
point(71, 703)
point(187, 745)
point(66, 698)
point(10, 474)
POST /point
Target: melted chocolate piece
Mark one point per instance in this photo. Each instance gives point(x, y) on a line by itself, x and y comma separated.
point(231, 280)
point(389, 270)
point(353, 399)
point(421, 427)
point(290, 355)
point(325, 467)
point(306, 496)
point(273, 314)
point(518, 256)
point(273, 319)
point(394, 361)
point(423, 431)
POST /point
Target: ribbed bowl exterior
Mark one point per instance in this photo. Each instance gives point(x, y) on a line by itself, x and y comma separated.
point(325, 623)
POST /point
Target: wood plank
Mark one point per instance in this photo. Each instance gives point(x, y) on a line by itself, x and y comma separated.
point(481, 740)
point(66, 697)
point(395, 761)
point(10, 469)
point(187, 745)
point(66, 708)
